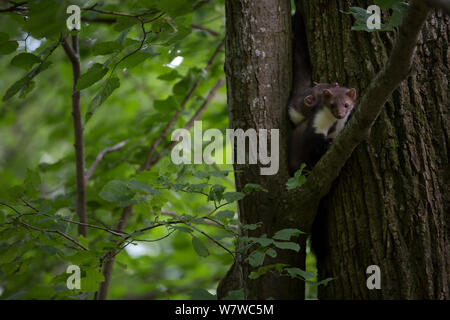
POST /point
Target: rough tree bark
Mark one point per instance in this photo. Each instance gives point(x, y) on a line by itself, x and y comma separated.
point(390, 205)
point(401, 162)
point(258, 67)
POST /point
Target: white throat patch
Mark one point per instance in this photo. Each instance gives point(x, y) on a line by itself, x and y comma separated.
point(323, 121)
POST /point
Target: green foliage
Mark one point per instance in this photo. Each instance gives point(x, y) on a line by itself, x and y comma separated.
point(93, 75)
point(129, 91)
point(199, 247)
point(297, 180)
point(361, 15)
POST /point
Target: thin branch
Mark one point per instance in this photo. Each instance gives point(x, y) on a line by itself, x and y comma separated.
point(206, 29)
point(15, 7)
point(190, 123)
point(120, 14)
point(210, 238)
point(36, 211)
point(101, 155)
point(386, 81)
point(78, 127)
point(28, 226)
point(99, 20)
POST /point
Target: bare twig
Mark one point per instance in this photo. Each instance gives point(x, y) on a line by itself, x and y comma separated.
point(78, 127)
point(100, 156)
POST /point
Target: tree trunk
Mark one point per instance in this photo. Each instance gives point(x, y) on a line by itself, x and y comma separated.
point(258, 67)
point(390, 205)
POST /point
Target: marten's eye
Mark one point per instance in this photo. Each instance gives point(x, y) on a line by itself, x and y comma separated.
point(346, 105)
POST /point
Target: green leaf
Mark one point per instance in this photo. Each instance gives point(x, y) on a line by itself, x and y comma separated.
point(94, 74)
point(93, 278)
point(250, 187)
point(399, 10)
point(25, 60)
point(201, 174)
point(324, 282)
point(175, 8)
point(136, 185)
point(296, 272)
point(271, 253)
point(235, 295)
point(225, 214)
point(181, 229)
point(386, 4)
point(287, 245)
point(251, 226)
point(23, 84)
point(107, 47)
point(233, 196)
point(32, 183)
point(7, 46)
point(107, 89)
point(216, 193)
point(263, 240)
point(9, 254)
point(286, 234)
point(201, 294)
point(116, 191)
point(137, 58)
point(16, 87)
point(184, 85)
point(125, 23)
point(172, 75)
point(263, 270)
point(256, 258)
point(83, 258)
point(297, 180)
point(167, 105)
point(199, 247)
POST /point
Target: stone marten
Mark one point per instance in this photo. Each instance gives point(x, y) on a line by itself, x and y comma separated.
point(311, 138)
point(301, 105)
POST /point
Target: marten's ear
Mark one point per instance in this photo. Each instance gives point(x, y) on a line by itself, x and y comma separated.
point(309, 101)
point(352, 93)
point(326, 94)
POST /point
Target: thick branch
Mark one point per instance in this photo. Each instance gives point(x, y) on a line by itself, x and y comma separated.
point(386, 81)
point(78, 127)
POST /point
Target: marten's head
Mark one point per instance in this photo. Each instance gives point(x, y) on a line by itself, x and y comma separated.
point(340, 101)
point(315, 98)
